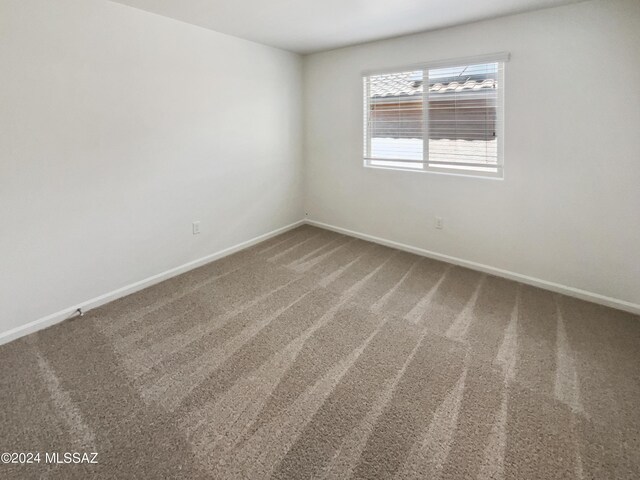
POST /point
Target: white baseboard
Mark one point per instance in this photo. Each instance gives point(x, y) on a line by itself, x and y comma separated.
point(70, 312)
point(536, 282)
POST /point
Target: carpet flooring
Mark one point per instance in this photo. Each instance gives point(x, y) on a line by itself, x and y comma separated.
point(316, 355)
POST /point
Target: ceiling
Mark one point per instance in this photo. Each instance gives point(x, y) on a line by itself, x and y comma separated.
point(306, 26)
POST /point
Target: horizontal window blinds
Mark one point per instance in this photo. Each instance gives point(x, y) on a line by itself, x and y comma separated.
point(396, 115)
point(443, 118)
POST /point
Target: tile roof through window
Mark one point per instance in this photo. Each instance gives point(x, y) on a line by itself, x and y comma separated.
point(406, 84)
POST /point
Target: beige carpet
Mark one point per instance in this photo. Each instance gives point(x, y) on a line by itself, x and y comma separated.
point(315, 355)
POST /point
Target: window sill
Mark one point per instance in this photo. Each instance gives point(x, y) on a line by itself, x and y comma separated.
point(491, 175)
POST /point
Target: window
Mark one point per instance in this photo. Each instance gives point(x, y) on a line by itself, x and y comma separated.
point(446, 117)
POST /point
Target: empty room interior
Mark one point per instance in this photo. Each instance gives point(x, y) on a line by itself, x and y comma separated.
point(368, 239)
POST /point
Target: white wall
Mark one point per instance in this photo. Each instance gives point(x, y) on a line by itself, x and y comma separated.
point(118, 128)
point(568, 210)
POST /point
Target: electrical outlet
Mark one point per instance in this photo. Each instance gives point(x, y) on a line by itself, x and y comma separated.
point(196, 227)
point(439, 223)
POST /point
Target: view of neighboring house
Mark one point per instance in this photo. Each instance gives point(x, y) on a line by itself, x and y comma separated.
point(462, 108)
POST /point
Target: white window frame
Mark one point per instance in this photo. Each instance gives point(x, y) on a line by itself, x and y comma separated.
point(429, 166)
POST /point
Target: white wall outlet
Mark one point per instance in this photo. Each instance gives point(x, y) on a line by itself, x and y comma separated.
point(196, 227)
point(439, 223)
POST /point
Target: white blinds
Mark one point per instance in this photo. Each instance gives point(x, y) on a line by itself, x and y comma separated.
point(395, 115)
point(444, 118)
